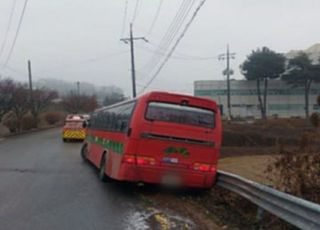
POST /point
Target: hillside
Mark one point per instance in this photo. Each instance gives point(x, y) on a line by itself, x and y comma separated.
point(64, 87)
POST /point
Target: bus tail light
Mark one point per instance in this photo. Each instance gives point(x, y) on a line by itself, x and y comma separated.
point(130, 159)
point(145, 160)
point(139, 160)
point(204, 167)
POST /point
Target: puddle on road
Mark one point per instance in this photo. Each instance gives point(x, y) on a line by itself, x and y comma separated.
point(157, 219)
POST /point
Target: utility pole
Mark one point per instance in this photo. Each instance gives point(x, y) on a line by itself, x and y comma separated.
point(133, 71)
point(78, 96)
point(30, 87)
point(227, 72)
point(78, 88)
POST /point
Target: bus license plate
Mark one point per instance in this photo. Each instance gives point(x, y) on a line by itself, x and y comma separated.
point(170, 160)
point(171, 180)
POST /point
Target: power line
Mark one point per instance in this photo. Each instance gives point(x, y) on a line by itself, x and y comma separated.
point(85, 61)
point(179, 56)
point(171, 34)
point(155, 17)
point(168, 33)
point(59, 68)
point(14, 70)
point(181, 20)
point(174, 28)
point(186, 56)
point(124, 17)
point(8, 27)
point(17, 33)
point(175, 45)
point(135, 12)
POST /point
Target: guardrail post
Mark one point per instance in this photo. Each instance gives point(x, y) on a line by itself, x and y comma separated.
point(259, 217)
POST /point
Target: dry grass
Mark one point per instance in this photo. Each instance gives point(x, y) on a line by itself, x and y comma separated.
point(297, 174)
point(250, 167)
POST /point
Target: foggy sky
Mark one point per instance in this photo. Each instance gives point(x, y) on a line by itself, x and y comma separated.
point(79, 40)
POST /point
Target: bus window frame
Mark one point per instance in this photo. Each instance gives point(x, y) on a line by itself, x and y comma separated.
point(115, 106)
point(197, 107)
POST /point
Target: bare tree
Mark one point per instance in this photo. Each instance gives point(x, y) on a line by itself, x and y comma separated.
point(74, 103)
point(20, 102)
point(6, 96)
point(113, 97)
point(41, 100)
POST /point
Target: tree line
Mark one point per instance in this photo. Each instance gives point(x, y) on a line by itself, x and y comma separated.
point(265, 64)
point(17, 101)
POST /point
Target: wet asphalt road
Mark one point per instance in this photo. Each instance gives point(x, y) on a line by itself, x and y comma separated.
point(45, 185)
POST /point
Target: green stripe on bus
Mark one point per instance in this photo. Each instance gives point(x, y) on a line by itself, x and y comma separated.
point(114, 146)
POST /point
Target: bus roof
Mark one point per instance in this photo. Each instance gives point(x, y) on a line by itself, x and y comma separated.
point(162, 94)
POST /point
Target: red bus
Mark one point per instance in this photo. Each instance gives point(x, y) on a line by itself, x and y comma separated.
point(158, 137)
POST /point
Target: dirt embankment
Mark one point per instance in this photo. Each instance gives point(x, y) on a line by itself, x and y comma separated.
point(265, 134)
point(271, 137)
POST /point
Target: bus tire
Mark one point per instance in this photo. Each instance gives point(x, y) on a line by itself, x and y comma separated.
point(102, 175)
point(84, 152)
point(64, 139)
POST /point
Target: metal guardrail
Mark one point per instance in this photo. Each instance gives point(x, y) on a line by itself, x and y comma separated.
point(300, 213)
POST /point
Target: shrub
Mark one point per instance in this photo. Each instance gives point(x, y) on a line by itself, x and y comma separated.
point(52, 117)
point(315, 119)
point(28, 122)
point(11, 123)
point(297, 174)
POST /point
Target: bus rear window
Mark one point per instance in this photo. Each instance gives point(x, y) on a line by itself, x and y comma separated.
point(181, 114)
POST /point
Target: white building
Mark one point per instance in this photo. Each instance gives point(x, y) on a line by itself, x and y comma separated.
point(283, 100)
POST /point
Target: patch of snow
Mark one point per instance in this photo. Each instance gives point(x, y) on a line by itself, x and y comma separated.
point(137, 220)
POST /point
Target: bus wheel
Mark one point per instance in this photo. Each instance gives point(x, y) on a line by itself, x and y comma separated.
point(64, 139)
point(84, 152)
point(102, 175)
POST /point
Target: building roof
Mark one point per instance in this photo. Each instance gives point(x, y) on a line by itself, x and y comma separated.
point(313, 52)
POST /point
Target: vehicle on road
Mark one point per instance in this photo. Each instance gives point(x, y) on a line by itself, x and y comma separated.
point(159, 137)
point(73, 128)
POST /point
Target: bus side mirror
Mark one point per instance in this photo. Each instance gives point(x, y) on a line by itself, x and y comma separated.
point(84, 124)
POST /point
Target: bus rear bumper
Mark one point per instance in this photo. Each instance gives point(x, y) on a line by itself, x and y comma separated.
point(161, 175)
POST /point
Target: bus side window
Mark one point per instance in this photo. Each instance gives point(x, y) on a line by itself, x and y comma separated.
point(115, 119)
point(119, 122)
point(107, 120)
point(113, 122)
point(98, 118)
point(124, 126)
